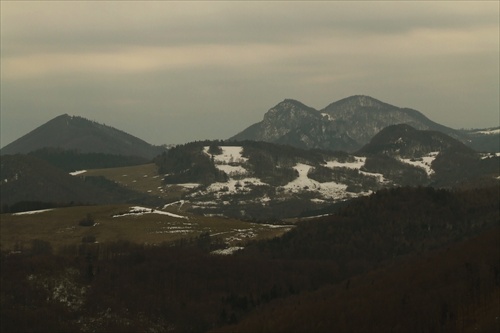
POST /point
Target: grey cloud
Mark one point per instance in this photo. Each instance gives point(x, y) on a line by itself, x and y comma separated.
point(91, 26)
point(232, 61)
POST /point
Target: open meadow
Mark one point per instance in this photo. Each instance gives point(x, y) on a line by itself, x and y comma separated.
point(61, 227)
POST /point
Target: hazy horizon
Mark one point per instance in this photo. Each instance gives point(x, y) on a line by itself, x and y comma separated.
point(173, 72)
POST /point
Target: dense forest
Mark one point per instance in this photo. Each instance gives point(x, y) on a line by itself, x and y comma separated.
point(72, 160)
point(405, 259)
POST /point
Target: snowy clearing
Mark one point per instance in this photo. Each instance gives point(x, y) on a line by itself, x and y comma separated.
point(360, 161)
point(303, 182)
point(234, 186)
point(228, 158)
point(232, 170)
point(425, 162)
point(230, 154)
point(34, 212)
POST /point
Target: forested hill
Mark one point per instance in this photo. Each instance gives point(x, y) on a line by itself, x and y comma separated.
point(431, 257)
point(261, 180)
point(86, 136)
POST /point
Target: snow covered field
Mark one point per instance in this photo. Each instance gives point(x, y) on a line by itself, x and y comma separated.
point(360, 161)
point(230, 154)
point(303, 182)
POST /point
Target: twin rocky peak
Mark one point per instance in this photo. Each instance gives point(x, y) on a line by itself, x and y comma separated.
point(347, 124)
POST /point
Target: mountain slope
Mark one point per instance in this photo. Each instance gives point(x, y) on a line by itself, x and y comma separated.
point(261, 180)
point(77, 133)
point(346, 125)
point(447, 161)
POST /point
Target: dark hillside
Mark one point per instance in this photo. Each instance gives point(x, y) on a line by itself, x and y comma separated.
point(72, 160)
point(388, 224)
point(456, 289)
point(27, 178)
point(399, 260)
point(408, 142)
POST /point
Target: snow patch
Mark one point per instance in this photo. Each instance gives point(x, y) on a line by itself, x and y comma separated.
point(232, 170)
point(228, 251)
point(357, 164)
point(76, 173)
point(138, 211)
point(489, 132)
point(33, 212)
point(327, 116)
point(180, 203)
point(490, 155)
point(188, 185)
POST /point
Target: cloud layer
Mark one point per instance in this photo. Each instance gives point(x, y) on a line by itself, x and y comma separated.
point(172, 72)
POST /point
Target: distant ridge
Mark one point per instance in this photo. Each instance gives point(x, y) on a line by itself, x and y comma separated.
point(83, 135)
point(347, 124)
point(405, 141)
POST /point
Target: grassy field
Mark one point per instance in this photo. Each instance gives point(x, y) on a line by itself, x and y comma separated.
point(60, 227)
point(142, 178)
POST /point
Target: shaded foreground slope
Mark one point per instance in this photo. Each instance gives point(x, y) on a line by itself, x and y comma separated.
point(401, 260)
point(456, 289)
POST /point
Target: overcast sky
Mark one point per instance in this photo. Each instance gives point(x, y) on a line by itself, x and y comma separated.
point(174, 72)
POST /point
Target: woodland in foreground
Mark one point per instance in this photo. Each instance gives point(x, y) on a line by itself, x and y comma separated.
point(405, 259)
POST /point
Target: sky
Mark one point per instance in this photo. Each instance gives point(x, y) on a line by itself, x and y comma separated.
point(173, 72)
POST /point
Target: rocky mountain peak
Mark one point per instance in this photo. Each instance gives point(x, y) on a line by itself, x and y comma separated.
point(289, 108)
point(347, 124)
point(356, 102)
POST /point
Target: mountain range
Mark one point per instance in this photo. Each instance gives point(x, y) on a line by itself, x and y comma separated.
point(365, 205)
point(347, 125)
point(296, 161)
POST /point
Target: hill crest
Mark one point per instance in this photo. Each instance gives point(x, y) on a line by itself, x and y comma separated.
point(86, 136)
